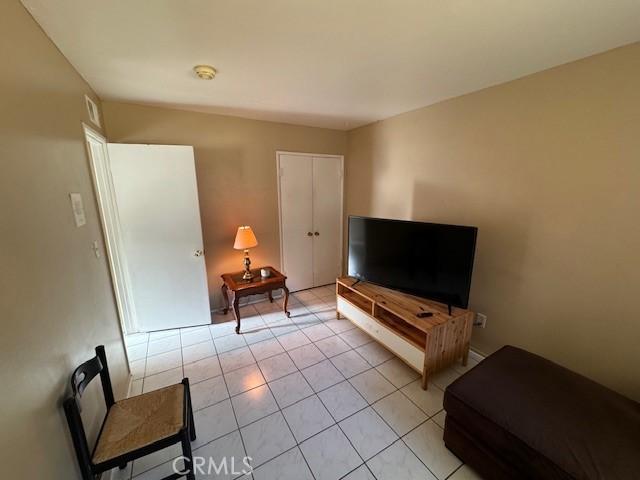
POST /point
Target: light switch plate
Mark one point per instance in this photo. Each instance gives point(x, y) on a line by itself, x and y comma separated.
point(78, 209)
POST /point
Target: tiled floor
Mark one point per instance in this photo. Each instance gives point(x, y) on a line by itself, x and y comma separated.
point(309, 397)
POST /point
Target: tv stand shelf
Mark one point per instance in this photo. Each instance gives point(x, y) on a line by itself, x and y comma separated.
point(425, 344)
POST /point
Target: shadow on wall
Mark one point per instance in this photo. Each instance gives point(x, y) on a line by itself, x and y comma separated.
point(226, 203)
point(502, 246)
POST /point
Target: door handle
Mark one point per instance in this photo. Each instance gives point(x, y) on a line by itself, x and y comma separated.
point(198, 253)
point(316, 234)
point(309, 234)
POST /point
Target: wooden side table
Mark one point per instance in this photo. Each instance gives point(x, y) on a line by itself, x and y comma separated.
point(234, 288)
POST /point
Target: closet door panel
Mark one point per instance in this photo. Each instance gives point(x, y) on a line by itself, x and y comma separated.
point(327, 218)
point(296, 210)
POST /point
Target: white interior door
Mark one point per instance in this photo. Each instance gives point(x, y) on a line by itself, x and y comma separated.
point(296, 219)
point(327, 219)
point(156, 194)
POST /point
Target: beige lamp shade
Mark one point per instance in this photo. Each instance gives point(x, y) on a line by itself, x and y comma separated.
point(245, 238)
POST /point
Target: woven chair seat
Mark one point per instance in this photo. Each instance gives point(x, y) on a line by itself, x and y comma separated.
point(141, 421)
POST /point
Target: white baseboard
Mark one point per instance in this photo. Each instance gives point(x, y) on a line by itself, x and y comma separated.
point(476, 356)
point(130, 385)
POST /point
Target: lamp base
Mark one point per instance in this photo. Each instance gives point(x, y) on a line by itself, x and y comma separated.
point(248, 276)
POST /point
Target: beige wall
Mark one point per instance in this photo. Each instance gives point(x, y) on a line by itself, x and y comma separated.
point(548, 168)
point(236, 171)
point(56, 301)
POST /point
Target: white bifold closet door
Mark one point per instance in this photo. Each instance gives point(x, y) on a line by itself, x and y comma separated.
point(310, 218)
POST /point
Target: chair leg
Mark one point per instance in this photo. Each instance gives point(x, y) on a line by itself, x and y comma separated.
point(188, 456)
point(192, 425)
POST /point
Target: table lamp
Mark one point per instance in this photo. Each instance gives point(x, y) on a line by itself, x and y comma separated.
point(245, 239)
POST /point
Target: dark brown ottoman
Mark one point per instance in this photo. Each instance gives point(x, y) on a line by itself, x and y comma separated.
point(519, 416)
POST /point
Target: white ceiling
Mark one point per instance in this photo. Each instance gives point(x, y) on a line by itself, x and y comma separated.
point(329, 63)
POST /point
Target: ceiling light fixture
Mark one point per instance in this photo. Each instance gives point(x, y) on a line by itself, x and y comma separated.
point(205, 72)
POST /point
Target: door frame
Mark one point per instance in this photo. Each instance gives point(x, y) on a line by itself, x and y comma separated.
point(278, 177)
point(111, 231)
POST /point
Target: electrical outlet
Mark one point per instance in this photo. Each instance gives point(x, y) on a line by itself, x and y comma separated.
point(481, 320)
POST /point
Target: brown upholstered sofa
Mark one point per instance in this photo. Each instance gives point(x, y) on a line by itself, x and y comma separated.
point(519, 416)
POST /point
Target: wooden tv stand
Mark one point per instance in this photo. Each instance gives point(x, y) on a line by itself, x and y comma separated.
point(425, 344)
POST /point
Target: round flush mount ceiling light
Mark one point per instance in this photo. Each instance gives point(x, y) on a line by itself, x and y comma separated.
point(205, 72)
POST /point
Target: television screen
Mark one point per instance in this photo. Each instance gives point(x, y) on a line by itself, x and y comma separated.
point(430, 260)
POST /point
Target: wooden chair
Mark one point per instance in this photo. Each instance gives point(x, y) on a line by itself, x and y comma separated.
point(132, 428)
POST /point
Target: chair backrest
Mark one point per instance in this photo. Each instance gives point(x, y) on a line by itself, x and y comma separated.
point(80, 379)
point(85, 373)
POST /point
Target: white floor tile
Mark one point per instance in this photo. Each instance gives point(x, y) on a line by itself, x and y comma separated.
point(202, 369)
point(439, 418)
point(266, 307)
point(399, 412)
point(306, 320)
point(213, 422)
point(330, 455)
point(137, 368)
point(162, 379)
point(273, 316)
point(293, 340)
point(342, 400)
point(244, 379)
point(304, 295)
point(306, 356)
point(267, 438)
point(238, 358)
point(290, 389)
point(257, 334)
point(266, 349)
point(322, 375)
point(196, 352)
point(445, 377)
point(282, 327)
point(307, 418)
point(429, 401)
point(224, 327)
point(340, 326)
point(397, 372)
point(371, 385)
point(332, 346)
point(229, 342)
point(253, 405)
point(369, 434)
point(374, 353)
point(291, 465)
point(208, 392)
point(136, 338)
point(195, 335)
point(328, 314)
point(137, 352)
point(276, 366)
point(397, 462)
point(355, 338)
point(360, 473)
point(465, 473)
point(226, 453)
point(148, 462)
point(164, 361)
point(350, 363)
point(136, 388)
point(427, 443)
point(163, 345)
point(162, 333)
point(317, 332)
point(161, 471)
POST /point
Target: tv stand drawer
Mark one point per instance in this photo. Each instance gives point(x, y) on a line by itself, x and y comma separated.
point(404, 349)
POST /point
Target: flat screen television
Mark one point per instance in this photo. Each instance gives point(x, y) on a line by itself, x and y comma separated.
point(430, 260)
